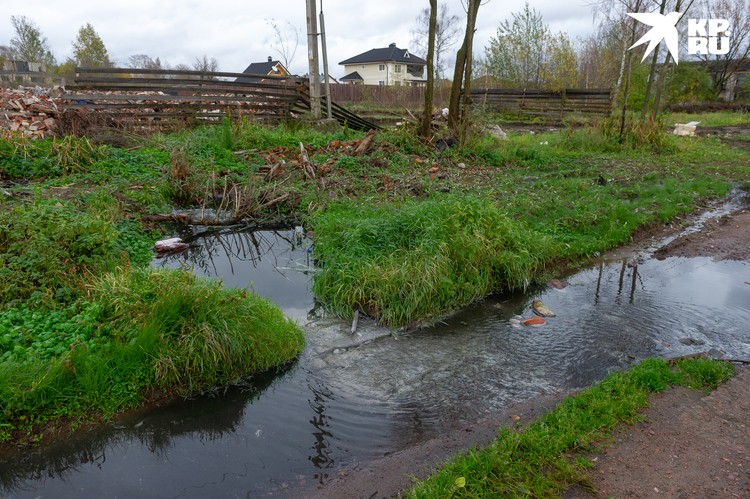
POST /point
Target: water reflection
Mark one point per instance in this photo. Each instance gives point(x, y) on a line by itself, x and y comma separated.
point(322, 455)
point(209, 418)
point(356, 397)
point(274, 263)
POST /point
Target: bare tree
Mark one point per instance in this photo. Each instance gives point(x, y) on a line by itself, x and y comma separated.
point(206, 65)
point(426, 127)
point(285, 41)
point(613, 15)
point(143, 61)
point(7, 53)
point(446, 35)
point(462, 72)
point(724, 66)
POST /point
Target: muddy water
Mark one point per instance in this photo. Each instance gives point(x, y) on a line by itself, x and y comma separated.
point(351, 398)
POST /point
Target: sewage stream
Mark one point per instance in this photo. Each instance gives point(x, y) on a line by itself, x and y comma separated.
point(352, 398)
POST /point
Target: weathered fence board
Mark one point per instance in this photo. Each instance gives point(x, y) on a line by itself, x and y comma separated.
point(567, 102)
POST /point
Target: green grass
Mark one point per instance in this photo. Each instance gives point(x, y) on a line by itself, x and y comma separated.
point(709, 119)
point(538, 460)
point(142, 329)
point(400, 263)
point(410, 262)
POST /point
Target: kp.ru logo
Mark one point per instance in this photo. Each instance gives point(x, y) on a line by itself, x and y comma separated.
point(705, 36)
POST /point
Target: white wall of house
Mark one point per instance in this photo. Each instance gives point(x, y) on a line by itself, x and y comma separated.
point(383, 73)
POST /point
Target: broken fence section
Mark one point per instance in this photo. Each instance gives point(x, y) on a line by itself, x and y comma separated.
point(162, 99)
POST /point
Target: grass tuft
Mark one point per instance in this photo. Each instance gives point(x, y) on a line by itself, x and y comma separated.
point(407, 263)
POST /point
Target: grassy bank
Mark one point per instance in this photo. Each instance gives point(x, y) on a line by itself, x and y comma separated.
point(490, 216)
point(86, 329)
point(538, 460)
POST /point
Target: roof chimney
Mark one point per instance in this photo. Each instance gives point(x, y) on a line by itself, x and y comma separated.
point(270, 59)
point(392, 45)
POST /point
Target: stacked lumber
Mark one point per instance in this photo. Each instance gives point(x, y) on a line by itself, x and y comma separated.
point(29, 111)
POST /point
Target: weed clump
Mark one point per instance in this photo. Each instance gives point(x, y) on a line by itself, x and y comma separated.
point(413, 262)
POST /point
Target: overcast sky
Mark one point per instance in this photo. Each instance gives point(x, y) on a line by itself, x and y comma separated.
point(237, 33)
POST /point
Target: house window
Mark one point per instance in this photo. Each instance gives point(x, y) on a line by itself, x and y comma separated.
point(381, 83)
point(397, 69)
point(381, 67)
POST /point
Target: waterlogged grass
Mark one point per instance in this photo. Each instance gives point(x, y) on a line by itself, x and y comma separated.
point(536, 460)
point(143, 329)
point(410, 262)
point(92, 331)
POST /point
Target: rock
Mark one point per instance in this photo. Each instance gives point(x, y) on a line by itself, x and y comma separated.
point(557, 283)
point(498, 132)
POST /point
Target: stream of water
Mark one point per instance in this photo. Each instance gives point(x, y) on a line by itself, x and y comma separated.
point(352, 398)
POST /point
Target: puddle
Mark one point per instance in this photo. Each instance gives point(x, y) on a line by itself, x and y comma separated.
point(353, 398)
point(275, 264)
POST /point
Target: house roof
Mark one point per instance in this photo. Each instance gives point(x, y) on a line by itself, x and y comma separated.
point(268, 67)
point(391, 53)
point(352, 77)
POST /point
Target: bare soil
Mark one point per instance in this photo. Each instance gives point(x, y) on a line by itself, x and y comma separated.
point(689, 445)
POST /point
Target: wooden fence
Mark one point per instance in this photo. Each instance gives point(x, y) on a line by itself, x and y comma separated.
point(159, 98)
point(545, 103)
point(156, 98)
point(388, 97)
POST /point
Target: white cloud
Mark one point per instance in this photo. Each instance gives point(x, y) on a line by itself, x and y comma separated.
point(236, 33)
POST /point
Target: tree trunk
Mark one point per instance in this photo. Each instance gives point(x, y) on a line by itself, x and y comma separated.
point(463, 62)
point(628, 69)
point(426, 128)
point(471, 21)
point(652, 70)
point(454, 100)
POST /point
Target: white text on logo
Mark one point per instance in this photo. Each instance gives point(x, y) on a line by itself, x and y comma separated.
point(704, 39)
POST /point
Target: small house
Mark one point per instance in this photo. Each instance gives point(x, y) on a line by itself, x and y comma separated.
point(388, 66)
point(259, 69)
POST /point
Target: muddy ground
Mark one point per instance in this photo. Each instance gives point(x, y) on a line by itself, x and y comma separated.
point(690, 444)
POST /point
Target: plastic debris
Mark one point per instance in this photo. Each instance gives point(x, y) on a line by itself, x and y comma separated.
point(541, 309)
point(171, 245)
point(686, 129)
point(534, 321)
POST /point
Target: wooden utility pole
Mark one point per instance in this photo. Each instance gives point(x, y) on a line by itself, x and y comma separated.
point(327, 80)
point(312, 57)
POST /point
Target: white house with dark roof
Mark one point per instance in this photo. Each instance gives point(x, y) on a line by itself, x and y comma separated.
point(389, 66)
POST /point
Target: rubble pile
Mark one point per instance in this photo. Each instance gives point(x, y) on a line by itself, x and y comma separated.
point(30, 111)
